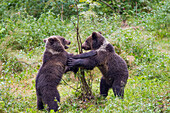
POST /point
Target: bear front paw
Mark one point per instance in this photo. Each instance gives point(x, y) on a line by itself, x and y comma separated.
point(70, 62)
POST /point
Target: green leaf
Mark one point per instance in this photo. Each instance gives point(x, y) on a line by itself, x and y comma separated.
point(82, 0)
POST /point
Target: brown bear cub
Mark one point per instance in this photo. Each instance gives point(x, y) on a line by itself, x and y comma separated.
point(50, 74)
point(111, 65)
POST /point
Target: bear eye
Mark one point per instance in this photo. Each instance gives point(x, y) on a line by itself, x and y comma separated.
point(87, 42)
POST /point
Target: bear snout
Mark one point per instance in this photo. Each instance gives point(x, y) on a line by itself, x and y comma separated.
point(83, 46)
point(69, 42)
point(66, 47)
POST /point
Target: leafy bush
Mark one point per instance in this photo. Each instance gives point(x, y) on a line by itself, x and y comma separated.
point(125, 8)
point(157, 21)
point(37, 7)
point(26, 32)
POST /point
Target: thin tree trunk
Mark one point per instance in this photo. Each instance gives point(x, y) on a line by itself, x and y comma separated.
point(62, 12)
point(86, 90)
point(136, 9)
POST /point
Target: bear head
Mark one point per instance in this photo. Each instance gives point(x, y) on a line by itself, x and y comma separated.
point(64, 42)
point(94, 41)
point(56, 43)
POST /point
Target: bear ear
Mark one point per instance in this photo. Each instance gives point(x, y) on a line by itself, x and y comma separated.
point(51, 40)
point(44, 40)
point(94, 35)
point(100, 32)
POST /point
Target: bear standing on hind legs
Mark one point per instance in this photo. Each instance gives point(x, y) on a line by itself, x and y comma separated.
point(50, 73)
point(111, 65)
point(53, 67)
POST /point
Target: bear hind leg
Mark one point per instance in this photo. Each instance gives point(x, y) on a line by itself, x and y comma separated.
point(118, 89)
point(104, 87)
point(51, 98)
point(52, 105)
point(39, 103)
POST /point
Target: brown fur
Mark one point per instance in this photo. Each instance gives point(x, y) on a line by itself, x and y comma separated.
point(51, 71)
point(53, 67)
point(111, 65)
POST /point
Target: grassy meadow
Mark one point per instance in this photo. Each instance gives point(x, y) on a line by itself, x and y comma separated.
point(144, 43)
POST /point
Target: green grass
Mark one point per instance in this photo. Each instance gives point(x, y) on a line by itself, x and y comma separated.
point(142, 93)
point(22, 47)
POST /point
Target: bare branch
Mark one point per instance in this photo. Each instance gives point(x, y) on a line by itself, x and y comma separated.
point(136, 8)
point(86, 90)
point(71, 86)
point(74, 26)
point(78, 38)
point(22, 62)
point(107, 4)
